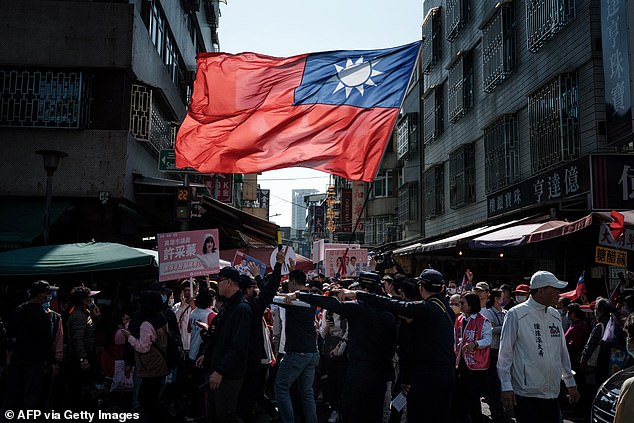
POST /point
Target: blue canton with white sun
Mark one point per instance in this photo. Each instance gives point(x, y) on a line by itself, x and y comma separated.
point(360, 78)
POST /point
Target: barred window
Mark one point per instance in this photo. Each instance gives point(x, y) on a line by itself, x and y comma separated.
point(44, 98)
point(383, 184)
point(498, 47)
point(408, 202)
point(545, 18)
point(456, 15)
point(150, 119)
point(406, 135)
point(553, 113)
point(462, 177)
point(431, 48)
point(460, 86)
point(377, 230)
point(434, 193)
point(433, 114)
point(140, 112)
point(501, 153)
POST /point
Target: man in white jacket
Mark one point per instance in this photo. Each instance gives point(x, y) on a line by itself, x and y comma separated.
point(533, 357)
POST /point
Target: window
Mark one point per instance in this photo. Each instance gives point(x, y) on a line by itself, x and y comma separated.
point(433, 114)
point(553, 113)
point(408, 202)
point(150, 119)
point(377, 230)
point(165, 43)
point(383, 184)
point(501, 153)
point(457, 14)
point(462, 177)
point(460, 86)
point(434, 193)
point(545, 18)
point(431, 48)
point(498, 47)
point(44, 98)
point(140, 112)
point(406, 135)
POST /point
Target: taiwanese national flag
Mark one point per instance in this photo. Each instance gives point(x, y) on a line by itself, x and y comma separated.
point(331, 111)
point(580, 289)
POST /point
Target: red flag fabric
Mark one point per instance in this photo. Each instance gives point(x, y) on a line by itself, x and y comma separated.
point(330, 111)
point(617, 227)
point(580, 289)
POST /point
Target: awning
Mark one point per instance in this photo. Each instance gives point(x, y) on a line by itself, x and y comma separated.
point(222, 216)
point(74, 258)
point(161, 182)
point(451, 241)
point(518, 235)
point(409, 249)
point(22, 219)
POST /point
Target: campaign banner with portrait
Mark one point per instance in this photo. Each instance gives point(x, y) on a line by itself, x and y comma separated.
point(355, 262)
point(188, 253)
point(241, 263)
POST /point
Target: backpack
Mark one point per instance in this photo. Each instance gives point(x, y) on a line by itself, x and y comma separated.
point(173, 352)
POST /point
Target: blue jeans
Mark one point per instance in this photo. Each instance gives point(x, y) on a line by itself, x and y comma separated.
point(298, 367)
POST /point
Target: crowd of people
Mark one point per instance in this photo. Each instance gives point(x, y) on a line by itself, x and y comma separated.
point(381, 347)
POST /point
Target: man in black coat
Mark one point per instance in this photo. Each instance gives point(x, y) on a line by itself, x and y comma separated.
point(226, 352)
point(433, 379)
point(371, 346)
point(254, 380)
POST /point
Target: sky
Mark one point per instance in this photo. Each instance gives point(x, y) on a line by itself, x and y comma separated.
point(288, 27)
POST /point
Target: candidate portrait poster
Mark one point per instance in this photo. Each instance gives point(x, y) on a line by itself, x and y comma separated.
point(241, 262)
point(354, 262)
point(188, 253)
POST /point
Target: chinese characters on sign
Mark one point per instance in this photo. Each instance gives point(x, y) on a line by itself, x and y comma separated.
point(346, 210)
point(188, 254)
point(358, 198)
point(220, 186)
point(318, 219)
point(626, 242)
point(614, 40)
point(610, 256)
point(264, 196)
point(612, 182)
point(557, 184)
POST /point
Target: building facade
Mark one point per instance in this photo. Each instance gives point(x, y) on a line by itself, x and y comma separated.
point(525, 111)
point(298, 211)
point(107, 83)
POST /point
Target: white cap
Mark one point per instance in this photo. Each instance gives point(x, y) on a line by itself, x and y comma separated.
point(542, 278)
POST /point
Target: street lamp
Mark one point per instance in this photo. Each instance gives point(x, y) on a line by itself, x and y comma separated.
point(51, 162)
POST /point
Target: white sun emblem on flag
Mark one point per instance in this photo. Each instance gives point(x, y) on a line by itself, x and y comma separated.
point(356, 75)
